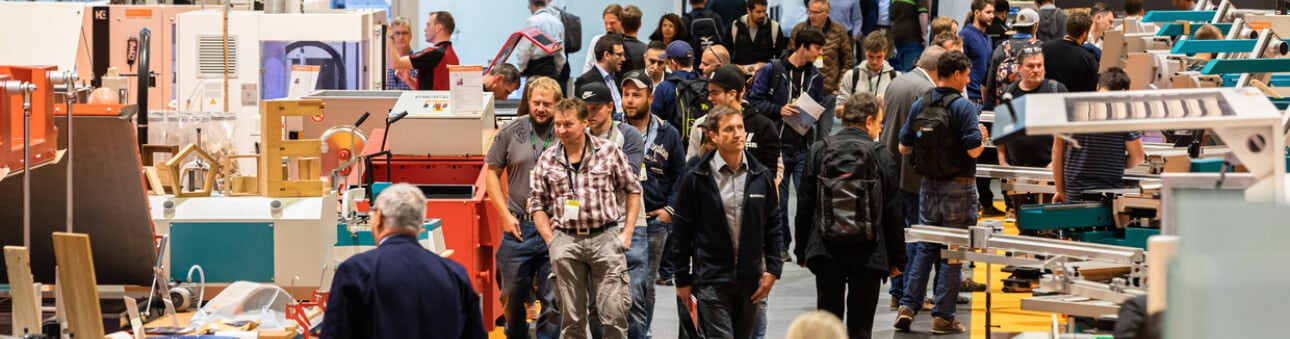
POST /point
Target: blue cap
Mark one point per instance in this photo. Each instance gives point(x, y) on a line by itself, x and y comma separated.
point(678, 49)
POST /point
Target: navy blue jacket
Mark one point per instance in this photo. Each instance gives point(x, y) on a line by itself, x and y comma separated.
point(963, 118)
point(769, 101)
point(664, 105)
point(401, 290)
point(664, 163)
point(699, 228)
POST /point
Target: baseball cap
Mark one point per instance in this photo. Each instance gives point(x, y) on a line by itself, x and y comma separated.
point(595, 93)
point(728, 77)
point(678, 49)
point(638, 78)
point(1026, 17)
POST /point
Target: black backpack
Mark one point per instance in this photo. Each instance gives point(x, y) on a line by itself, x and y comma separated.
point(691, 101)
point(936, 143)
point(850, 192)
point(705, 30)
point(1007, 72)
point(572, 30)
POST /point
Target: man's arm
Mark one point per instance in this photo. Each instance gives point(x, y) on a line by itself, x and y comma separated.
point(1059, 169)
point(907, 138)
point(627, 179)
point(759, 96)
point(493, 186)
point(857, 22)
point(893, 215)
point(1136, 153)
point(395, 57)
point(974, 133)
point(845, 89)
point(1002, 151)
point(540, 201)
point(923, 19)
point(683, 224)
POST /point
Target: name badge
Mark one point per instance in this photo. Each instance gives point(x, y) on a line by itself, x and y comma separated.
point(571, 209)
point(643, 175)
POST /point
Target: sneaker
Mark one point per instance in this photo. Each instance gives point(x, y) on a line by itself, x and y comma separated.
point(784, 254)
point(664, 282)
point(895, 304)
point(972, 286)
point(946, 326)
point(990, 211)
point(963, 298)
point(904, 318)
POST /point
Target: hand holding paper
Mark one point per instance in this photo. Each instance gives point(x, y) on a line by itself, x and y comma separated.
point(803, 122)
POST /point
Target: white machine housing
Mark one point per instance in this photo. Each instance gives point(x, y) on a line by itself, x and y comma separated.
point(432, 128)
point(201, 62)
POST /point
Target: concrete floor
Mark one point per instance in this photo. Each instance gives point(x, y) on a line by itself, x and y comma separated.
point(794, 295)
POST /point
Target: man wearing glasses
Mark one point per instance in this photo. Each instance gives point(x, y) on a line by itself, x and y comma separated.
point(432, 63)
point(609, 59)
point(401, 79)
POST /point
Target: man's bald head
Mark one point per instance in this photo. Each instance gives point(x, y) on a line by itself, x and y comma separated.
point(931, 56)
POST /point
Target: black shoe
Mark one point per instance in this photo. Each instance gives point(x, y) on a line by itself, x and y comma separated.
point(990, 211)
point(784, 254)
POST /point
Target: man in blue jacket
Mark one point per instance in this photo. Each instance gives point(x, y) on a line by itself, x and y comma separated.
point(400, 289)
point(680, 58)
point(726, 226)
point(664, 165)
point(948, 201)
point(774, 93)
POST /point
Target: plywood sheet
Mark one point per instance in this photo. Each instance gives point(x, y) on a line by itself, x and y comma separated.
point(26, 309)
point(76, 278)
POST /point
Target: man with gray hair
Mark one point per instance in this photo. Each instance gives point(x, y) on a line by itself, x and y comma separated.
point(900, 97)
point(400, 289)
point(502, 80)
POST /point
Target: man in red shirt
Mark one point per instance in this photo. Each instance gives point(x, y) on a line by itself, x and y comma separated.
point(431, 63)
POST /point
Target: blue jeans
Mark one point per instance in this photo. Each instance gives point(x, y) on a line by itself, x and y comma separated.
point(910, 203)
point(794, 161)
point(949, 203)
point(521, 264)
point(907, 54)
point(639, 281)
point(759, 325)
point(657, 231)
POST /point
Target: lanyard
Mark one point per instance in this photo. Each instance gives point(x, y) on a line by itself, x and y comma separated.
point(873, 89)
point(533, 143)
point(568, 167)
point(651, 131)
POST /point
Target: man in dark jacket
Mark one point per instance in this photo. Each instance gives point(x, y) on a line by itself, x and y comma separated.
point(848, 275)
point(1052, 21)
point(775, 91)
point(664, 164)
point(754, 38)
point(726, 226)
point(400, 289)
point(609, 60)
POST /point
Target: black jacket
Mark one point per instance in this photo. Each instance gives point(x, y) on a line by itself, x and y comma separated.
point(746, 49)
point(763, 138)
point(588, 76)
point(889, 248)
point(700, 232)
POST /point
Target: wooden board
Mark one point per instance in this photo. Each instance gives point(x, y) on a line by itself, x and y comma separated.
point(274, 178)
point(26, 308)
point(78, 284)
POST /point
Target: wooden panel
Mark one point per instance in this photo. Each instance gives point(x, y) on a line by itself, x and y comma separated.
point(274, 179)
point(78, 284)
point(26, 308)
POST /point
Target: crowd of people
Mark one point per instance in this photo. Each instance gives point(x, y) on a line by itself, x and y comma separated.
point(671, 163)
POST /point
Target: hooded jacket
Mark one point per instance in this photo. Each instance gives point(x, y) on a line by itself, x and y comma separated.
point(1052, 23)
point(865, 80)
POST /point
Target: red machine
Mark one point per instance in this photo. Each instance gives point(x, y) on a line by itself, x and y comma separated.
point(44, 136)
point(467, 215)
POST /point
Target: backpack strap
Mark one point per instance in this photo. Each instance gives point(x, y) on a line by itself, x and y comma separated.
point(855, 78)
point(947, 100)
point(774, 34)
point(776, 68)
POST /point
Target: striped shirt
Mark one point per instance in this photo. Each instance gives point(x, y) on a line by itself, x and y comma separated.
point(1097, 164)
point(603, 174)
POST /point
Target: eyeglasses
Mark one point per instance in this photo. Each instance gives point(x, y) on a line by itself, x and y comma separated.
point(1032, 50)
point(401, 33)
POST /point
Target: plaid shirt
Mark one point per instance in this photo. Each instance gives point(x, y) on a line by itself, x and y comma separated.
point(603, 174)
point(392, 81)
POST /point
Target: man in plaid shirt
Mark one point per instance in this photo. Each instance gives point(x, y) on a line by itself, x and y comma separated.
point(575, 206)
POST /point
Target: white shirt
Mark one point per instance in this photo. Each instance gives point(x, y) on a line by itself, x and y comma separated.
point(546, 20)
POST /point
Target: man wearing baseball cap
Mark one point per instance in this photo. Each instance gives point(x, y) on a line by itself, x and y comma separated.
point(999, 78)
point(667, 102)
point(600, 123)
point(726, 88)
point(664, 165)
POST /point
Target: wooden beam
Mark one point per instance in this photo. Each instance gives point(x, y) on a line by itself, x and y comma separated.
point(26, 307)
point(78, 284)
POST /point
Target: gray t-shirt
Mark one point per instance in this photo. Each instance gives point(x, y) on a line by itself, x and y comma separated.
point(516, 148)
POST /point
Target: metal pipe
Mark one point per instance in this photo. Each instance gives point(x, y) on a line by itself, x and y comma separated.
point(68, 78)
point(24, 88)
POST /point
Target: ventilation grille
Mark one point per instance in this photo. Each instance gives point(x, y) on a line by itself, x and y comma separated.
point(210, 56)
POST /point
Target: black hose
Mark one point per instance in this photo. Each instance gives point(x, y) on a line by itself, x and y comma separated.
point(145, 81)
